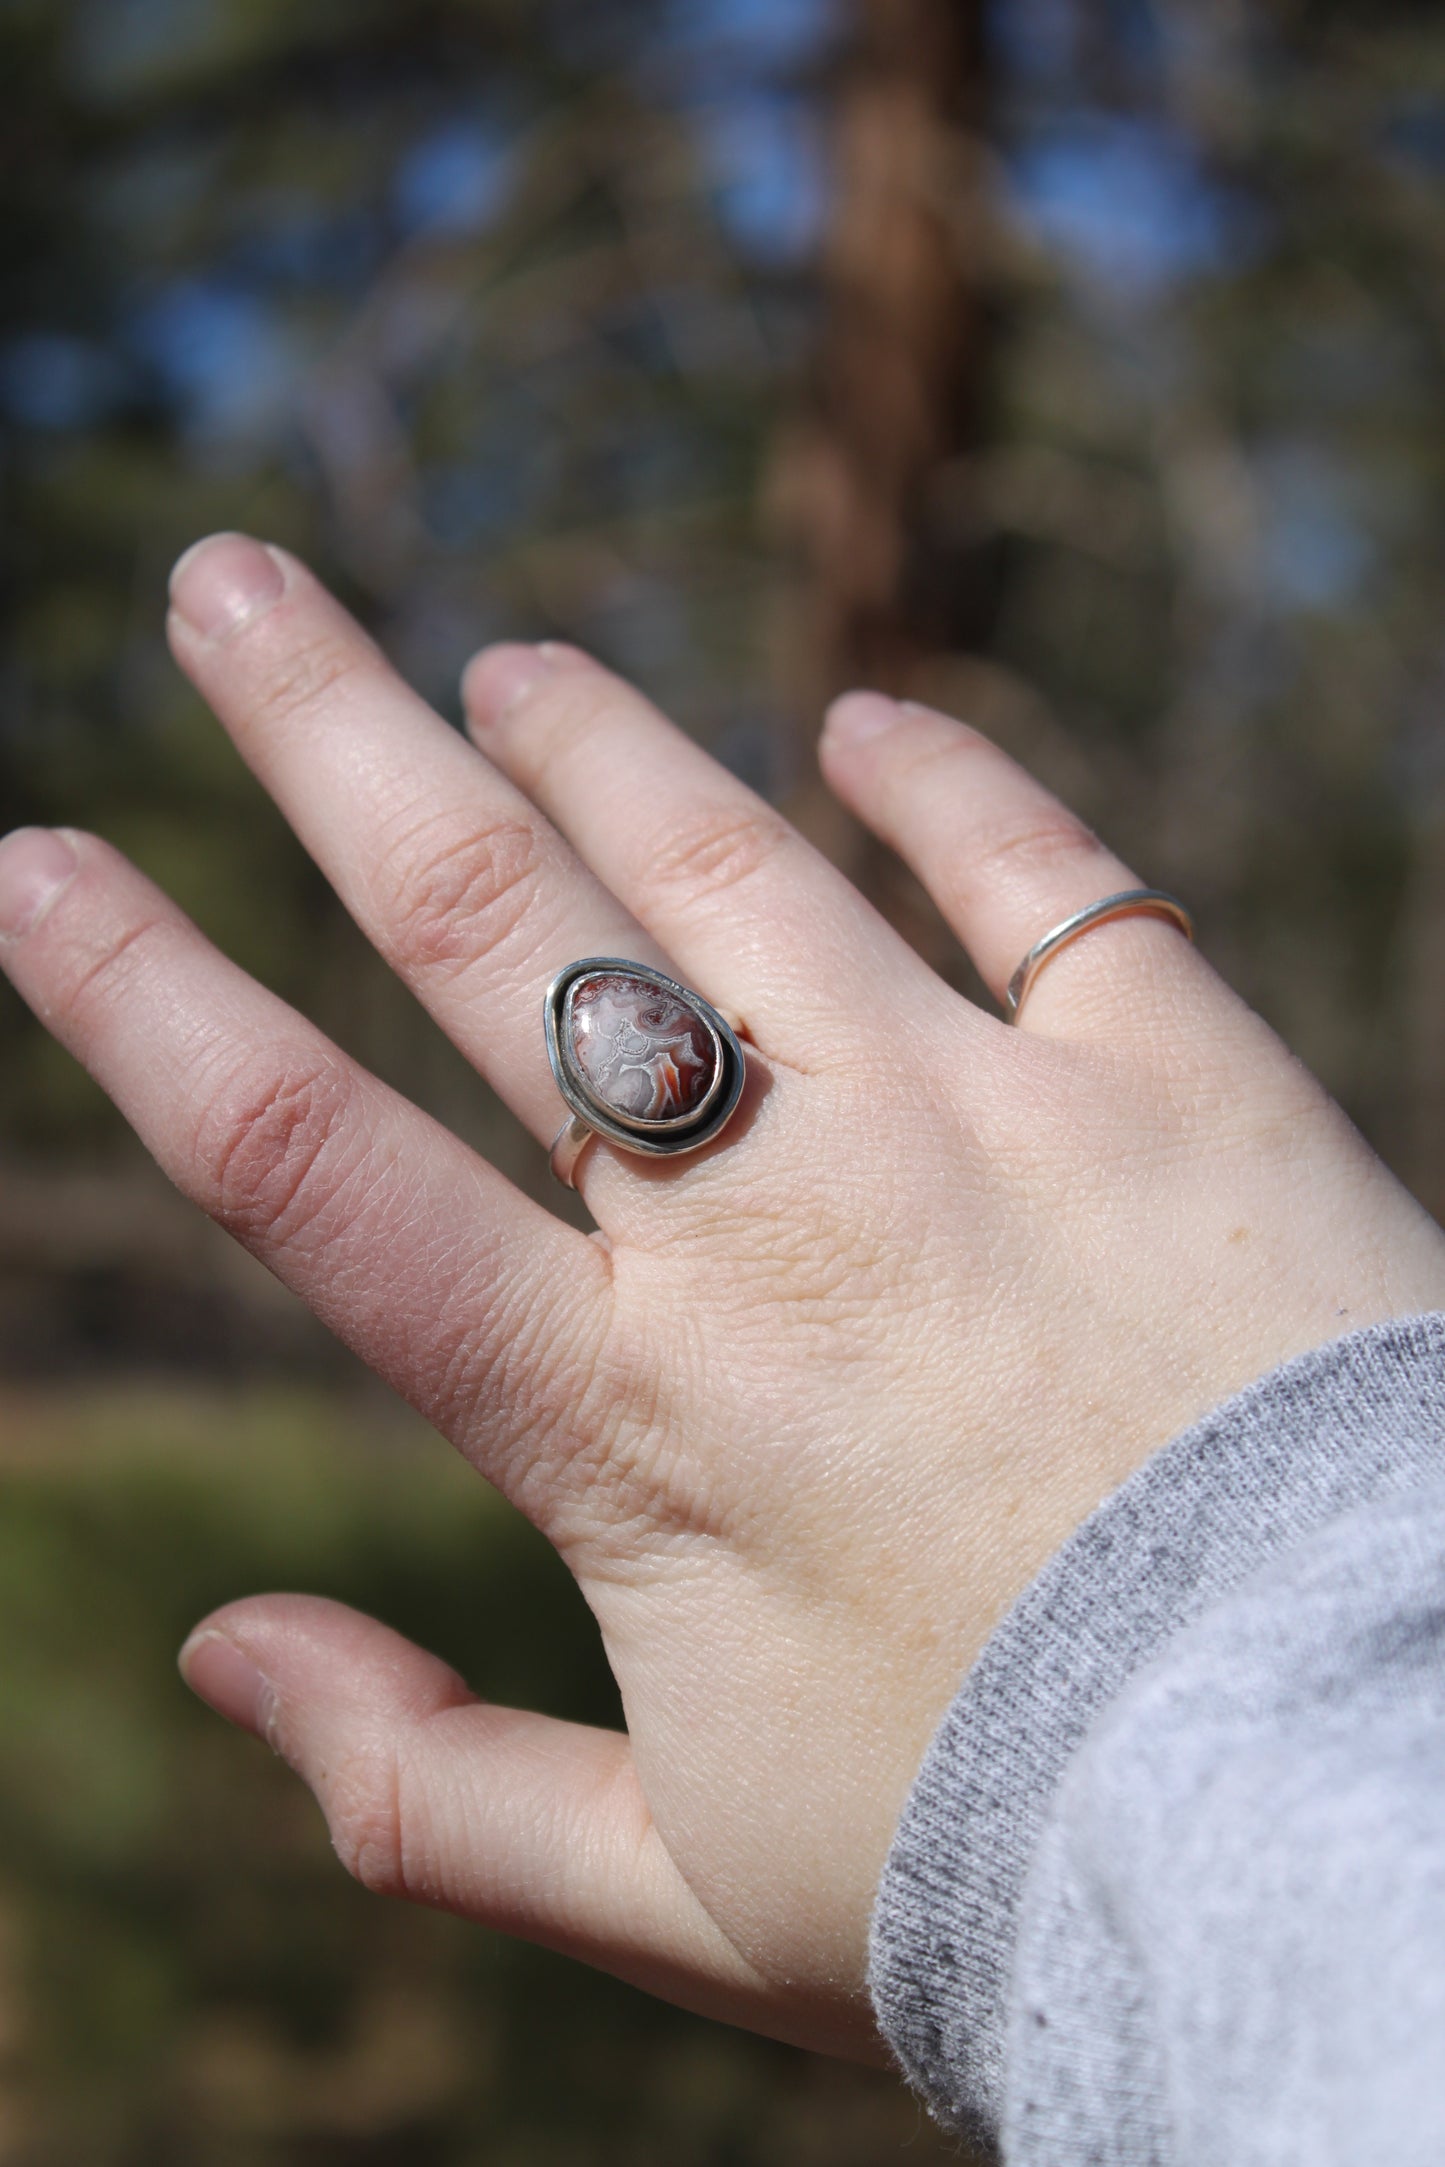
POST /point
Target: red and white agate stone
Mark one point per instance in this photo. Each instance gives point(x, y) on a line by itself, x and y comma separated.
point(645, 1054)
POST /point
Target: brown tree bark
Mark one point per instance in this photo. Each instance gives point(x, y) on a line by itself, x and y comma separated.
point(895, 390)
point(886, 581)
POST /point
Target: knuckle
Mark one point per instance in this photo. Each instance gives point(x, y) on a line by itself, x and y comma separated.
point(714, 851)
point(457, 896)
point(363, 1802)
point(388, 1826)
point(943, 770)
point(1050, 839)
point(929, 759)
point(304, 675)
point(560, 718)
point(270, 1148)
point(105, 970)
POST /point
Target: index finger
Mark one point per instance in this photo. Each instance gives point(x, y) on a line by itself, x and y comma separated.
point(484, 1311)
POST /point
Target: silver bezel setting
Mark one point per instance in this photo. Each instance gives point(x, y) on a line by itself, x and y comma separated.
point(654, 1139)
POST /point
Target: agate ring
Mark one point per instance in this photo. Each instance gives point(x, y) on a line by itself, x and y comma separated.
point(1132, 903)
point(640, 1060)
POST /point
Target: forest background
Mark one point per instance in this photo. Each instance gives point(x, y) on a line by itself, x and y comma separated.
point(1076, 364)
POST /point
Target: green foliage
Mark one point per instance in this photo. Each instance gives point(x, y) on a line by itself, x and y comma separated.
point(417, 294)
point(185, 1972)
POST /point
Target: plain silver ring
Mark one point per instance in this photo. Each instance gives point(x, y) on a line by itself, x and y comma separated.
point(568, 1146)
point(1132, 903)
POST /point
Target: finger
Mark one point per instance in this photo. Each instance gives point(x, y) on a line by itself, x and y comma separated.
point(477, 1305)
point(1002, 858)
point(752, 912)
point(450, 871)
point(535, 1827)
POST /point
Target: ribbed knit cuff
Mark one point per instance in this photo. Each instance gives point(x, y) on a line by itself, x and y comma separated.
point(1337, 1428)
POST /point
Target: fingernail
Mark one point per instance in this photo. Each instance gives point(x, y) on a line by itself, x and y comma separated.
point(223, 582)
point(217, 1672)
point(500, 679)
point(861, 715)
point(35, 864)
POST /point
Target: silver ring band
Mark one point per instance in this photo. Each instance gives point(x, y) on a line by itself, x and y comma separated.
point(1132, 903)
point(568, 1146)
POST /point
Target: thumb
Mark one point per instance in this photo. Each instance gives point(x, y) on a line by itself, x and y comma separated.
point(532, 1826)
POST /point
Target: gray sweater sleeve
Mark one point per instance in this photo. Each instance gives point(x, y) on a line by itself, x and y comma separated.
point(1170, 1886)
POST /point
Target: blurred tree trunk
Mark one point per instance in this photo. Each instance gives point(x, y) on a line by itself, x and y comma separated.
point(882, 581)
point(895, 388)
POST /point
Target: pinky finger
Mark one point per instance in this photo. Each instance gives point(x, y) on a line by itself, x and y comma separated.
point(536, 1827)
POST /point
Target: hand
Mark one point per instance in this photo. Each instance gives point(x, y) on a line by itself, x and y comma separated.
point(813, 1406)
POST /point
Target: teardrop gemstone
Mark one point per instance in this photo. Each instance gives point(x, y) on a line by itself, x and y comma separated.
point(645, 1053)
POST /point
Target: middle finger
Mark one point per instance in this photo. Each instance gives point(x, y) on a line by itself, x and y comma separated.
point(740, 897)
point(458, 880)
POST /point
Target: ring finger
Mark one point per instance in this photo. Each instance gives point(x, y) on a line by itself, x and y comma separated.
point(1005, 862)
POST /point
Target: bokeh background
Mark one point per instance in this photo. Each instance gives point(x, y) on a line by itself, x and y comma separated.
point(1074, 363)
